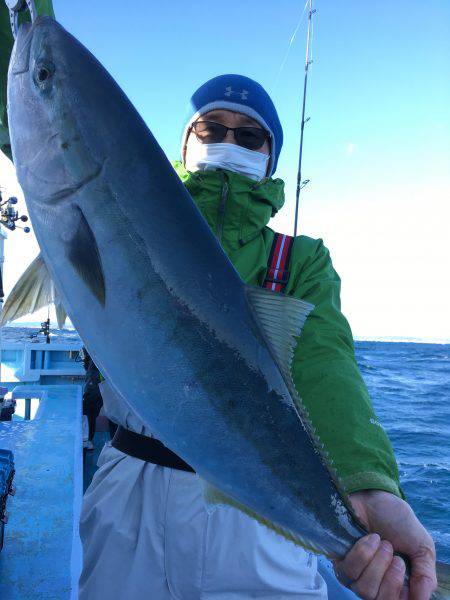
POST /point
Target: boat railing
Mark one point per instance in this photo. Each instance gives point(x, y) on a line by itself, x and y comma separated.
point(28, 362)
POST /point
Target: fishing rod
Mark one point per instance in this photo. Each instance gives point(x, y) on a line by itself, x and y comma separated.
point(301, 184)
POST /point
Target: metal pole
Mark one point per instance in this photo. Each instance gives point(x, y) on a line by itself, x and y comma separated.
point(307, 63)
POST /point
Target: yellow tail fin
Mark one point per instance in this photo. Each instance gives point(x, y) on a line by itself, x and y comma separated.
point(443, 577)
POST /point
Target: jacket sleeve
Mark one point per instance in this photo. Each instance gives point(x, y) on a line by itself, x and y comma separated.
point(43, 7)
point(328, 380)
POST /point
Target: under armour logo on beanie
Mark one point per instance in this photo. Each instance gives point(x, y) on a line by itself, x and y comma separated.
point(229, 92)
point(239, 94)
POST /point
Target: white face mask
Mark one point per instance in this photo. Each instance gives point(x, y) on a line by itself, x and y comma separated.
point(201, 157)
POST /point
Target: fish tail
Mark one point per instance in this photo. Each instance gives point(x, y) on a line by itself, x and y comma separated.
point(443, 577)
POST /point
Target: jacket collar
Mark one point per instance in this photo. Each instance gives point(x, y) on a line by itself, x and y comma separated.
point(235, 207)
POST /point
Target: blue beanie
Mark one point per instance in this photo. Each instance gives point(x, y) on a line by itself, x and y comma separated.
point(240, 94)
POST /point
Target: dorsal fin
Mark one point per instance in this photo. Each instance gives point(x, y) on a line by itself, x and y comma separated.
point(281, 318)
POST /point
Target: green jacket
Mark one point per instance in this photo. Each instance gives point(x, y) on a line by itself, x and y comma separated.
point(324, 369)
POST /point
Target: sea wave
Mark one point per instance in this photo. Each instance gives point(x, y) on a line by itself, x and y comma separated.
point(409, 385)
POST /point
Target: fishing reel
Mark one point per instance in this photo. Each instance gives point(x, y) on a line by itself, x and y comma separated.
point(9, 215)
point(17, 6)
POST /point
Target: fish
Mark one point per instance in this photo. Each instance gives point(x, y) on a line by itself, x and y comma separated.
point(201, 357)
point(32, 291)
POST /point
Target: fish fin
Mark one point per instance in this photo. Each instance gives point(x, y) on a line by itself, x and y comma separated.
point(83, 253)
point(443, 578)
point(33, 290)
point(281, 319)
point(61, 314)
point(214, 497)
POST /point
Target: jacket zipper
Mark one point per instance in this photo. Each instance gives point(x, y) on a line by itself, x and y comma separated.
point(221, 212)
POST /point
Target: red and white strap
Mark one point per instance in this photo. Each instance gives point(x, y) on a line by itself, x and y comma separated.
point(277, 268)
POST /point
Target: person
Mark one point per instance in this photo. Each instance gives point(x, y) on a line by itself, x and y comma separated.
point(145, 528)
point(92, 399)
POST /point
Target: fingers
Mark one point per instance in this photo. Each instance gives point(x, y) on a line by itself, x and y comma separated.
point(371, 570)
point(392, 583)
point(375, 575)
point(356, 560)
point(395, 520)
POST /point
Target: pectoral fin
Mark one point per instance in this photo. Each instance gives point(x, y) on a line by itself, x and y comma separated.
point(83, 253)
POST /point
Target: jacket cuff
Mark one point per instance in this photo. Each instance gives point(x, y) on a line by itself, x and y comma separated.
point(370, 480)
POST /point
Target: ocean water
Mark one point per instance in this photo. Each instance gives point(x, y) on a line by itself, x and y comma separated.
point(410, 388)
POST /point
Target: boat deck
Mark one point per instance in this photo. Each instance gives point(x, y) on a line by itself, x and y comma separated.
point(41, 557)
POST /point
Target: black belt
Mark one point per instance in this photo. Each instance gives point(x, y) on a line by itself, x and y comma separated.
point(148, 449)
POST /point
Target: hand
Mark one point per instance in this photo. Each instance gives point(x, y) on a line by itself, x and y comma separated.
point(370, 569)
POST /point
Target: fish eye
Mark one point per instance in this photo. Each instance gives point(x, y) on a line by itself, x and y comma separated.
point(44, 72)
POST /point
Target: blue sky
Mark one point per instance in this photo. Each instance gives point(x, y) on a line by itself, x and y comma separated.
point(380, 69)
point(377, 145)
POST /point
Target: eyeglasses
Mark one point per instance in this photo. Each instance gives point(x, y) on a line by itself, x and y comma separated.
point(210, 132)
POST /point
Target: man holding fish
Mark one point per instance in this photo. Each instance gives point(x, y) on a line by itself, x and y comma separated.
point(145, 527)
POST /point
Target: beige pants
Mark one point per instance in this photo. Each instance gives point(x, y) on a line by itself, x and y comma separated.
point(147, 534)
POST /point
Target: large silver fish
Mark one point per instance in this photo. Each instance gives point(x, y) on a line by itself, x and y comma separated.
point(201, 357)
